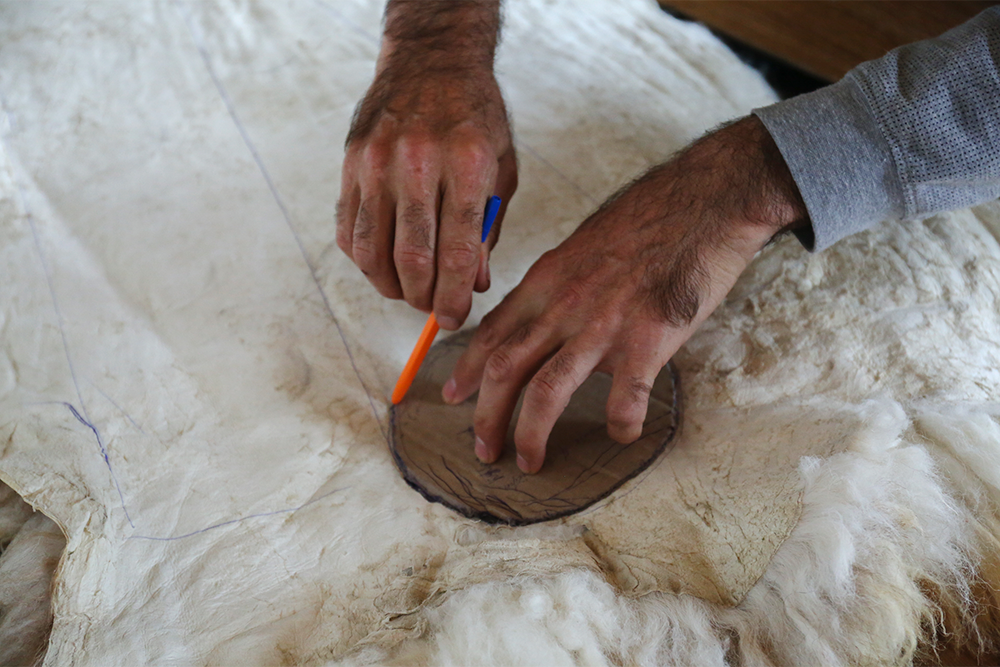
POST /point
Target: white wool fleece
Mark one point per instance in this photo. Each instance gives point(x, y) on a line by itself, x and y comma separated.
point(844, 589)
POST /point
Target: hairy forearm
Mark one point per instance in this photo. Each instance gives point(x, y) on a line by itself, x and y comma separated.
point(433, 52)
point(734, 177)
point(727, 194)
point(441, 34)
point(428, 145)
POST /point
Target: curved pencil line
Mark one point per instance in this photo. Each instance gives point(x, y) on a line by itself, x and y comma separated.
point(85, 419)
point(231, 109)
point(232, 521)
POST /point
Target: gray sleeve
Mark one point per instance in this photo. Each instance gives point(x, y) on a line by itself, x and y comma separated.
point(913, 133)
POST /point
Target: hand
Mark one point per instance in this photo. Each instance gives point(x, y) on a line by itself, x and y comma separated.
point(625, 290)
point(429, 144)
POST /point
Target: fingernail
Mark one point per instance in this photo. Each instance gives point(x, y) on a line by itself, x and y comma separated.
point(522, 464)
point(449, 323)
point(489, 281)
point(481, 452)
point(448, 391)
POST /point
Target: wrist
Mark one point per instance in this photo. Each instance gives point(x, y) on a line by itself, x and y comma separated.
point(445, 36)
point(769, 201)
point(734, 182)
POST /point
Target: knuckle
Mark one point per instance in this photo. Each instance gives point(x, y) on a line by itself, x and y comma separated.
point(552, 381)
point(474, 156)
point(499, 366)
point(538, 274)
point(544, 390)
point(459, 256)
point(366, 256)
point(572, 297)
point(638, 391)
point(377, 156)
point(415, 259)
point(488, 333)
point(352, 153)
point(416, 150)
point(603, 326)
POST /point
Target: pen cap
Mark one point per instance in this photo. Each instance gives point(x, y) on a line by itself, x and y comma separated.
point(492, 208)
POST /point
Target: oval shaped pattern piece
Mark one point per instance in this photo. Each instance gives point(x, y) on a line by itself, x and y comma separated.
point(433, 446)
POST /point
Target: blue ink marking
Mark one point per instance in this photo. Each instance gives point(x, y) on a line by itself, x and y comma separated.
point(85, 418)
point(230, 107)
point(119, 408)
point(289, 510)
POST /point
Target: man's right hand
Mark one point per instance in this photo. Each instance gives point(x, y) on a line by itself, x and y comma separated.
point(429, 144)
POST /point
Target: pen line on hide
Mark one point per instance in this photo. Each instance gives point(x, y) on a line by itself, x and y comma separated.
point(231, 109)
point(85, 418)
point(100, 443)
point(82, 415)
point(289, 510)
point(118, 407)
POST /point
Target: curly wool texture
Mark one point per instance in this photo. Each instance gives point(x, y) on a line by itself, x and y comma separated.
point(895, 554)
point(881, 559)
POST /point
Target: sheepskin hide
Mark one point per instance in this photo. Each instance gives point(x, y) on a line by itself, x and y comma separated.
point(193, 379)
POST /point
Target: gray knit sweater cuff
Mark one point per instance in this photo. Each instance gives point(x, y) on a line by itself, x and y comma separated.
point(839, 159)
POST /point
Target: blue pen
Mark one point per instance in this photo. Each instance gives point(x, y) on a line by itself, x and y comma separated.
point(431, 328)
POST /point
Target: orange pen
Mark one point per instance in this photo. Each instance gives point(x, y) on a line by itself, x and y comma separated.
point(431, 328)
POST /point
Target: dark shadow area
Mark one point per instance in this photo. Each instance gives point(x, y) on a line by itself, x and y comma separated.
point(31, 545)
point(787, 80)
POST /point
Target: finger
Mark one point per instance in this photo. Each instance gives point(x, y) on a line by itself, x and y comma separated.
point(512, 313)
point(505, 187)
point(372, 242)
point(507, 369)
point(629, 398)
point(483, 279)
point(546, 396)
point(417, 174)
point(413, 254)
point(347, 207)
point(460, 234)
